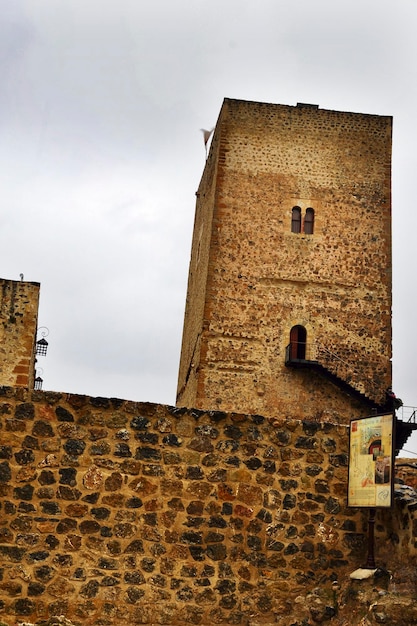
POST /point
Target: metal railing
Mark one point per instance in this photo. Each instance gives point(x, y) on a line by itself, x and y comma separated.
point(408, 414)
point(300, 351)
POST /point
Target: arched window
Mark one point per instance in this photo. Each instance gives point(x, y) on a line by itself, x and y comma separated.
point(298, 342)
point(309, 222)
point(296, 220)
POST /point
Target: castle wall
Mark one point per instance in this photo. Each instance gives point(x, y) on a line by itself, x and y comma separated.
point(18, 325)
point(263, 279)
point(115, 512)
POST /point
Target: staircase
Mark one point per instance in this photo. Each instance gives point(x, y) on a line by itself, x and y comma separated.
point(406, 424)
point(326, 363)
point(303, 355)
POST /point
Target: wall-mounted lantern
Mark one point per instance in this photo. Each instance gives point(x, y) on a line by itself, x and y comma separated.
point(42, 344)
point(41, 348)
point(38, 383)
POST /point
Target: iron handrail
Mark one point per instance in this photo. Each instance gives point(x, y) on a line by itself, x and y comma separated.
point(319, 353)
point(300, 351)
point(408, 414)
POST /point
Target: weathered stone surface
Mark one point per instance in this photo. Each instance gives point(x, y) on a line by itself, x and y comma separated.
point(113, 482)
point(122, 450)
point(201, 444)
point(50, 460)
point(139, 423)
point(68, 476)
point(72, 542)
point(41, 428)
point(306, 442)
point(44, 573)
point(115, 500)
point(50, 508)
point(93, 478)
point(23, 606)
point(30, 442)
point(216, 552)
point(68, 493)
point(6, 452)
point(76, 510)
point(46, 477)
point(5, 472)
point(24, 493)
point(322, 486)
point(172, 440)
point(12, 553)
point(95, 434)
point(201, 526)
point(25, 411)
point(125, 530)
point(134, 578)
point(134, 503)
point(194, 473)
point(88, 527)
point(100, 449)
point(65, 525)
point(74, 447)
point(11, 588)
point(24, 457)
point(63, 415)
point(152, 469)
point(249, 494)
point(90, 589)
point(148, 453)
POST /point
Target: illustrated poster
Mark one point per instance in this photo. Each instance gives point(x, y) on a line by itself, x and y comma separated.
point(371, 461)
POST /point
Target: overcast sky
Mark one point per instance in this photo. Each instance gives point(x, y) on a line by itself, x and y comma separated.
point(101, 103)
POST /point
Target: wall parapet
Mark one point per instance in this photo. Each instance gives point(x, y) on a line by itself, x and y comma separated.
point(124, 512)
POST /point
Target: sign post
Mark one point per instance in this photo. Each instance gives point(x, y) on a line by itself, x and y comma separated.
point(371, 469)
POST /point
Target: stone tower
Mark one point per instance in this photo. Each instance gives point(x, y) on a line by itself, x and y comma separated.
point(289, 295)
point(18, 324)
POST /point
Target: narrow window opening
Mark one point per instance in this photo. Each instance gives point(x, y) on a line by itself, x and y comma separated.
point(298, 342)
point(309, 221)
point(296, 220)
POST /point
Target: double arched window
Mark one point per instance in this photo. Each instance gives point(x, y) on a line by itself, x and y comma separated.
point(298, 225)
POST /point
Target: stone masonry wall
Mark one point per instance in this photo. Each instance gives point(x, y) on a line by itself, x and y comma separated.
point(263, 279)
point(18, 324)
point(115, 512)
point(197, 280)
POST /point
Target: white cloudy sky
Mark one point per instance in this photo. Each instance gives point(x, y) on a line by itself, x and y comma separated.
point(101, 102)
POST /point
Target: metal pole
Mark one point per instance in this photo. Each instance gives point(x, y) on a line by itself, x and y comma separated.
point(370, 563)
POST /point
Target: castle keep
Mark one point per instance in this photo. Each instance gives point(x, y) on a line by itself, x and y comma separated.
point(289, 294)
point(231, 507)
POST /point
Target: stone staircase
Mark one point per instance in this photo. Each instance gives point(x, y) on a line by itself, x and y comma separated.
point(328, 365)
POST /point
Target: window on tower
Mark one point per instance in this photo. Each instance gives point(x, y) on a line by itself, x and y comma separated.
point(298, 225)
point(298, 342)
point(296, 220)
point(309, 221)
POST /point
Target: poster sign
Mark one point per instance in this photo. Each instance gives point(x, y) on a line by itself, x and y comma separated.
point(371, 461)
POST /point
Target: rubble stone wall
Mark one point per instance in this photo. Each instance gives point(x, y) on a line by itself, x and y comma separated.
point(259, 279)
point(18, 323)
point(115, 512)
